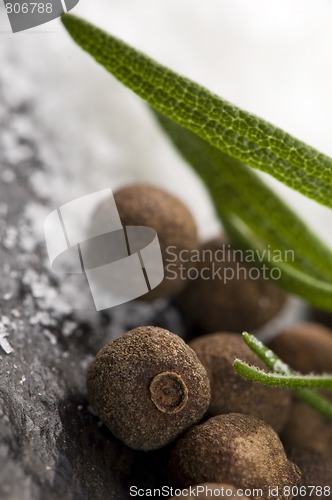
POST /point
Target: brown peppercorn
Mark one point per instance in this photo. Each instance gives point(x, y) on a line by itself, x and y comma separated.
point(316, 472)
point(319, 316)
point(235, 449)
point(223, 302)
point(306, 347)
point(210, 490)
point(148, 387)
point(307, 428)
point(230, 393)
point(145, 205)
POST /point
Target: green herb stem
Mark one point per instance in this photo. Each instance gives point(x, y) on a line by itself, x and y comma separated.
point(315, 400)
point(272, 361)
point(276, 379)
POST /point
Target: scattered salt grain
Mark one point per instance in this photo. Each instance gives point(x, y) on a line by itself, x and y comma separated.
point(50, 336)
point(4, 344)
point(68, 328)
point(42, 318)
point(9, 239)
point(16, 313)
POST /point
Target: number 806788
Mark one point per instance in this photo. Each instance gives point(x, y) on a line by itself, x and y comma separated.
point(29, 8)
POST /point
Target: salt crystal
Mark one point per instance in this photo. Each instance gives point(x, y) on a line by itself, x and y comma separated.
point(51, 337)
point(4, 344)
point(16, 313)
point(4, 320)
point(68, 328)
point(27, 241)
point(42, 318)
point(29, 277)
point(10, 238)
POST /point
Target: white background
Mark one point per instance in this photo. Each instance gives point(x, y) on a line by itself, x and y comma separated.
point(271, 58)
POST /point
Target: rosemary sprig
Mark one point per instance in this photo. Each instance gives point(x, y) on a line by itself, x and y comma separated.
point(276, 379)
point(230, 129)
point(222, 142)
point(285, 376)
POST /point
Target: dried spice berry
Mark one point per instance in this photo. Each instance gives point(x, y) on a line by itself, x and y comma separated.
point(316, 471)
point(145, 205)
point(148, 387)
point(210, 490)
point(230, 300)
point(235, 449)
point(319, 316)
point(306, 347)
point(230, 393)
point(306, 427)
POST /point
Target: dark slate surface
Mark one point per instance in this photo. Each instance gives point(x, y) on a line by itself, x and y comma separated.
point(51, 444)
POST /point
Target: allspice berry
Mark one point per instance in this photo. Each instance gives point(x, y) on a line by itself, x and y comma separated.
point(306, 347)
point(320, 316)
point(235, 449)
point(148, 387)
point(230, 393)
point(316, 472)
point(227, 295)
point(146, 205)
point(210, 490)
point(307, 428)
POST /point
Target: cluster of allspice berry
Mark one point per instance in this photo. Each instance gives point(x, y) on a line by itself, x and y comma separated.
point(152, 389)
point(220, 432)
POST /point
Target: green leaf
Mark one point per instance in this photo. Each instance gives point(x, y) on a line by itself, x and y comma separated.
point(230, 129)
point(257, 218)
